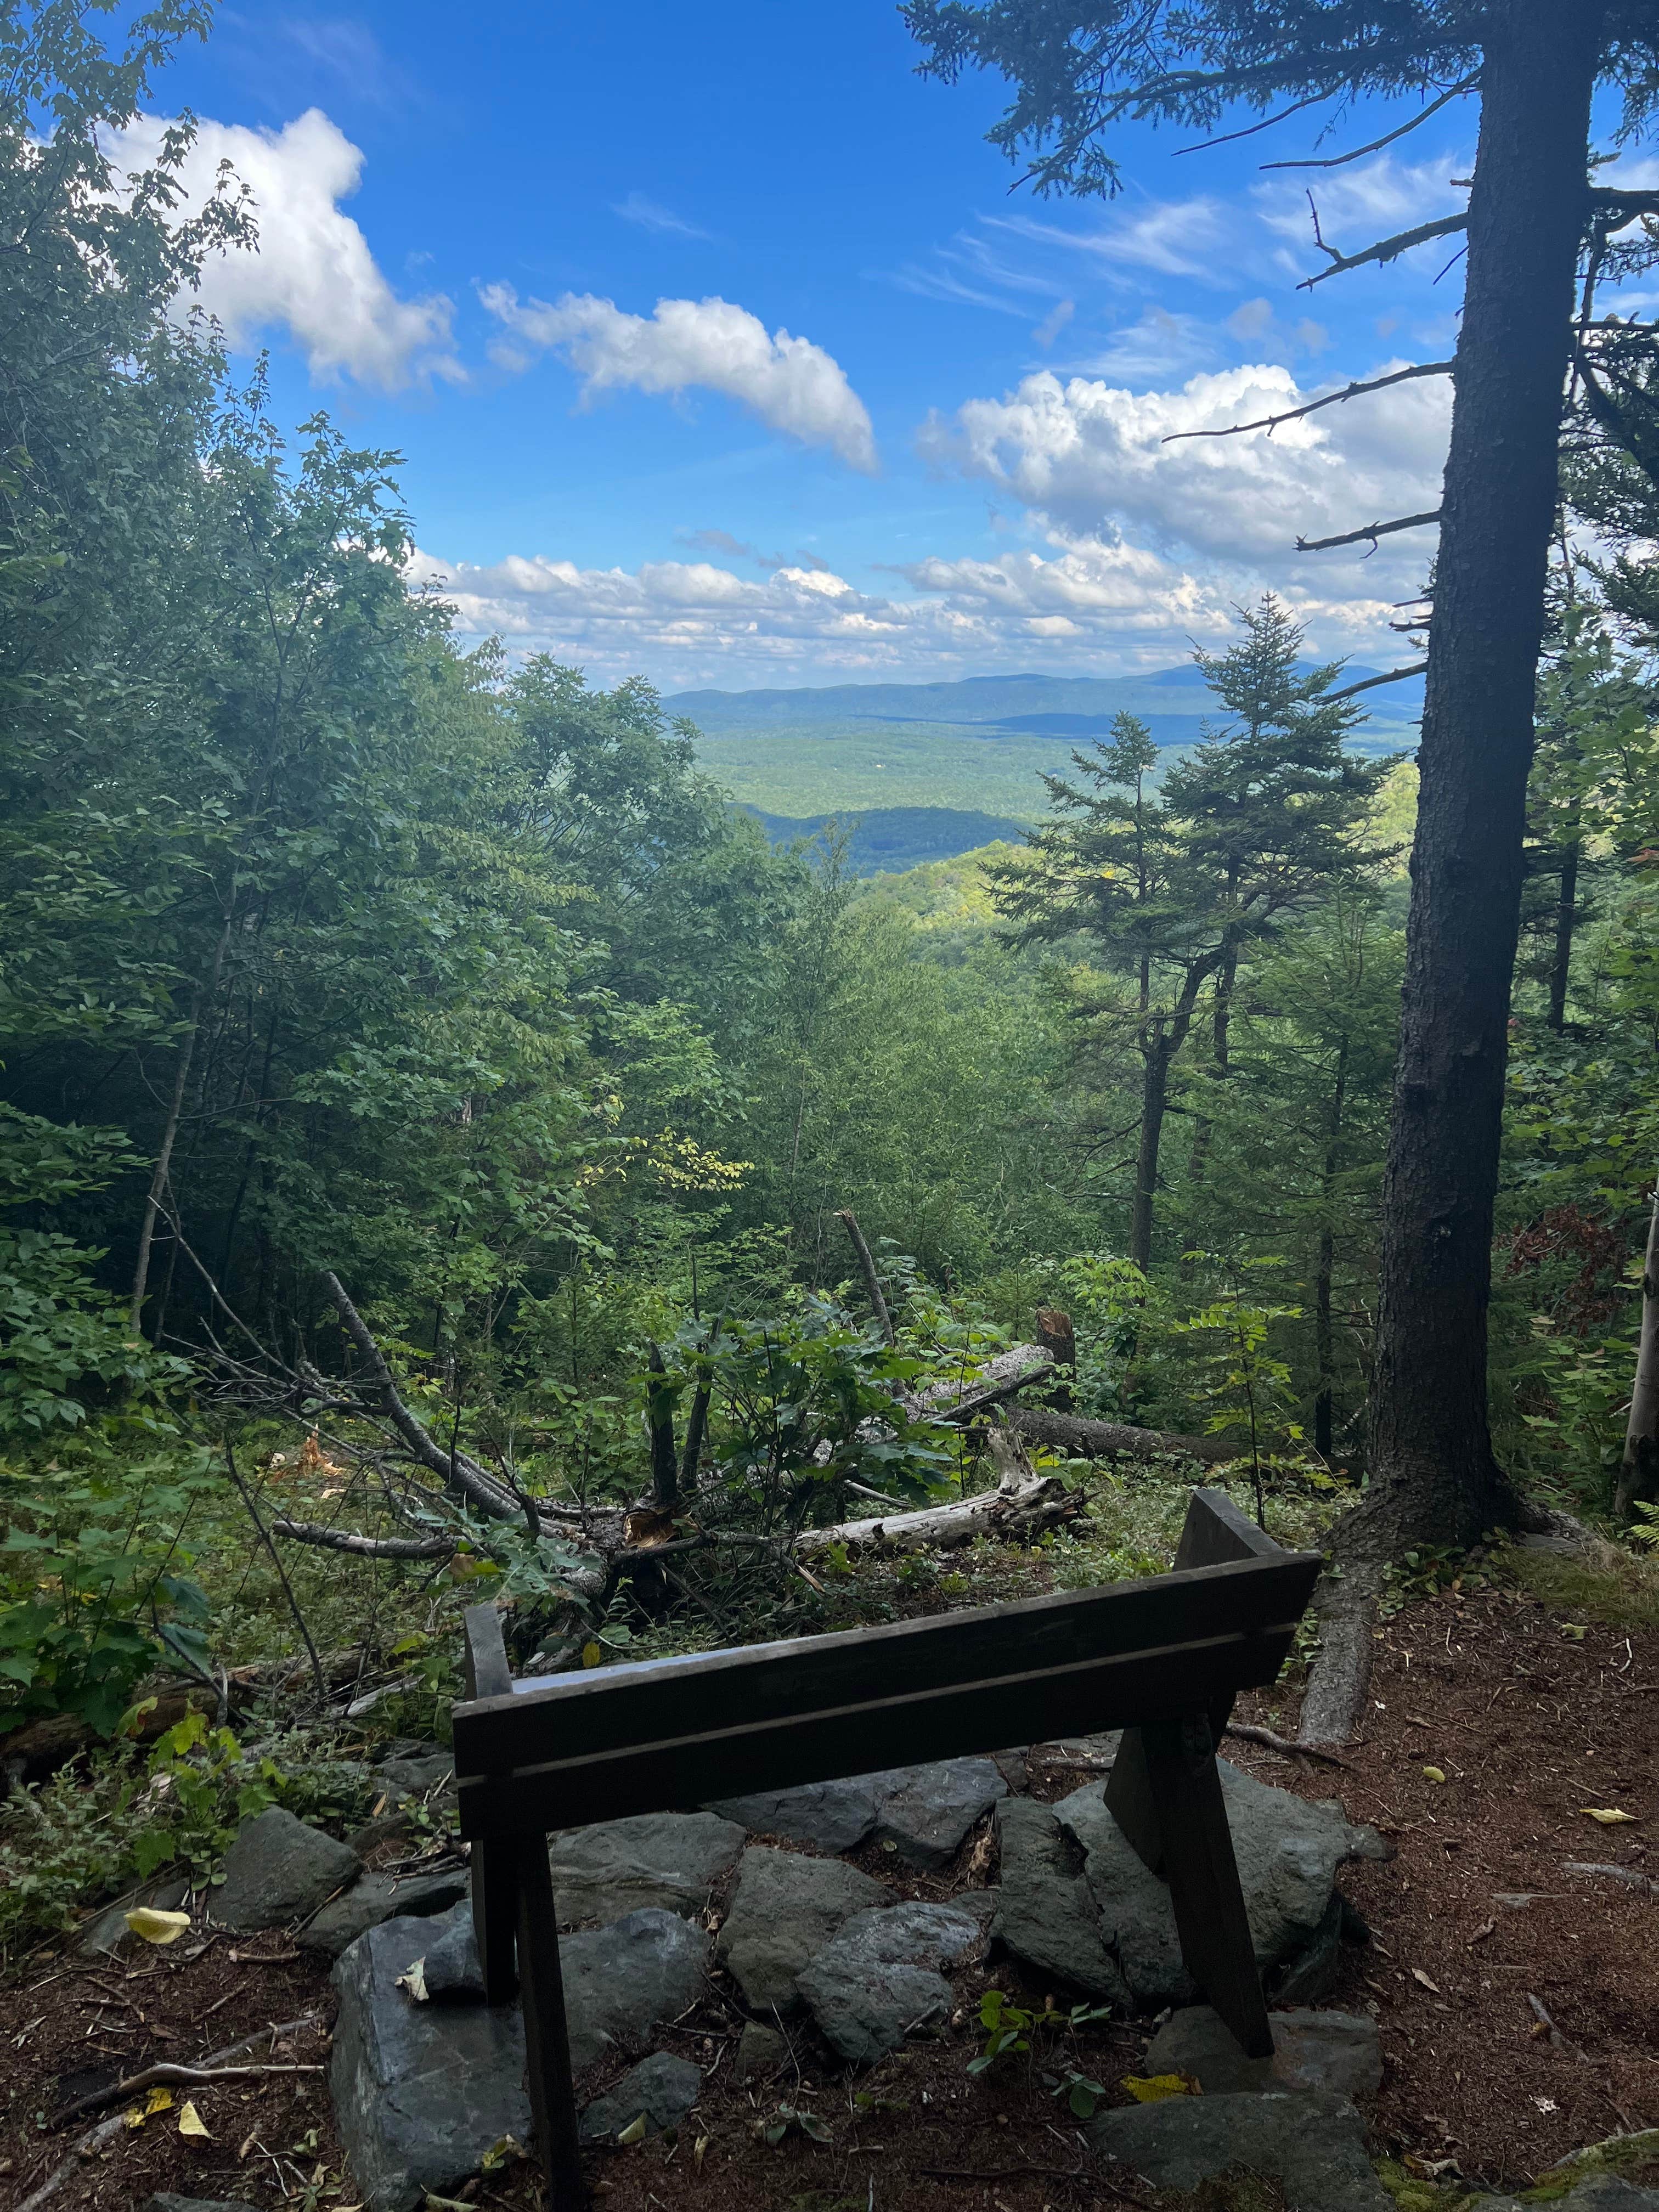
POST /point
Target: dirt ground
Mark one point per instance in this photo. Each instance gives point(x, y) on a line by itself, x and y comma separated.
point(1518, 2001)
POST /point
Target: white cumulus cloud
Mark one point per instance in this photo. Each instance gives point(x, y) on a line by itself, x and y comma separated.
point(1078, 607)
point(791, 383)
point(1090, 457)
point(313, 272)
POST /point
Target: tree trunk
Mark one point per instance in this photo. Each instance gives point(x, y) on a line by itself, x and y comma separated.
point(1326, 1267)
point(1638, 1474)
point(1565, 913)
point(1154, 1093)
point(1433, 1475)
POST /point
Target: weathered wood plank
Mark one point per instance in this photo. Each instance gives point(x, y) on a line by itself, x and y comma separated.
point(681, 1772)
point(615, 1707)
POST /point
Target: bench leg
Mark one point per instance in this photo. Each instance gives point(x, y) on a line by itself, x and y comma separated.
point(1177, 1819)
point(495, 1915)
point(546, 2036)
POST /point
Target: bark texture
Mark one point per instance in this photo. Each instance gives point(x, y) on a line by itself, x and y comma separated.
point(1434, 1476)
point(1638, 1474)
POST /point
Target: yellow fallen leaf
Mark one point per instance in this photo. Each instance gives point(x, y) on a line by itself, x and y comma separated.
point(700, 2149)
point(1572, 1632)
point(415, 1981)
point(159, 2100)
point(190, 2124)
point(156, 1926)
point(634, 2132)
point(1609, 1815)
point(1435, 1773)
point(1153, 2088)
point(591, 1654)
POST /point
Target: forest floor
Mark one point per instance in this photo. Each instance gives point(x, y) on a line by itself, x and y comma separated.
point(1518, 2001)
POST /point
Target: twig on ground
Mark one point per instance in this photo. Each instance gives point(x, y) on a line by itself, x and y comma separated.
point(1558, 2041)
point(166, 2076)
point(87, 2145)
point(1249, 1733)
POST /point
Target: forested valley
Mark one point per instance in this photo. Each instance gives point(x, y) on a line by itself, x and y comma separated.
point(450, 1156)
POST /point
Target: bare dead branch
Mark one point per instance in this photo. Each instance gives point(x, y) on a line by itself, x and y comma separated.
point(873, 1289)
point(1370, 682)
point(1339, 160)
point(1270, 422)
point(1386, 249)
point(247, 1496)
point(456, 1470)
point(1372, 531)
point(1248, 1732)
point(363, 1547)
point(1251, 130)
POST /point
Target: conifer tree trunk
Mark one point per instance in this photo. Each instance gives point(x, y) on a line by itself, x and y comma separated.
point(1638, 1474)
point(1566, 914)
point(1324, 1355)
point(1433, 1474)
point(1157, 1054)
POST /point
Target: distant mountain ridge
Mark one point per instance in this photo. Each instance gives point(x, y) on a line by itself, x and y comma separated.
point(1024, 704)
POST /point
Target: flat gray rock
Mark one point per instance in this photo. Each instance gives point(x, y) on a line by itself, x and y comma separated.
point(1313, 2146)
point(825, 1816)
point(417, 1775)
point(662, 2089)
point(374, 1898)
point(619, 1982)
point(785, 1908)
point(421, 2092)
point(1338, 2052)
point(675, 1861)
point(278, 1870)
point(881, 1978)
point(1046, 1913)
point(925, 1812)
point(1597, 2192)
point(1288, 1853)
point(761, 2051)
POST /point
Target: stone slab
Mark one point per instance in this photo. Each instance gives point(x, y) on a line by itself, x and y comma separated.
point(374, 1898)
point(1314, 2146)
point(673, 1861)
point(421, 2092)
point(882, 1979)
point(661, 2087)
point(279, 1869)
point(1338, 2052)
point(785, 1908)
point(1046, 1913)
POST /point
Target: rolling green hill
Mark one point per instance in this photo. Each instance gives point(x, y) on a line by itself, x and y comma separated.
point(970, 749)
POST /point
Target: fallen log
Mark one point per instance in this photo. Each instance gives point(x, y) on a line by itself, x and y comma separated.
point(1014, 1370)
point(1014, 1512)
point(1112, 1439)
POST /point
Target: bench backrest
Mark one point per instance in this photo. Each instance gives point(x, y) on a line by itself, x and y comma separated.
point(671, 1734)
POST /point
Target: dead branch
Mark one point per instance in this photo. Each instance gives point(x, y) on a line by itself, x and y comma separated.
point(1386, 249)
point(998, 1380)
point(364, 1547)
point(1339, 160)
point(456, 1470)
point(1248, 1732)
point(164, 2077)
point(1371, 532)
point(1270, 422)
point(247, 1496)
point(1370, 682)
point(873, 1289)
point(89, 2144)
point(1112, 1439)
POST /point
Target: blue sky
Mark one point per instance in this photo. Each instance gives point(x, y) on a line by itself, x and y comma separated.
point(921, 437)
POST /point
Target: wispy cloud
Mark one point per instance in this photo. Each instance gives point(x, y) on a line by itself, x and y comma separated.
point(648, 215)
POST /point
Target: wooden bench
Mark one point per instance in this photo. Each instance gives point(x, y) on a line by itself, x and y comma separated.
point(1162, 1658)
